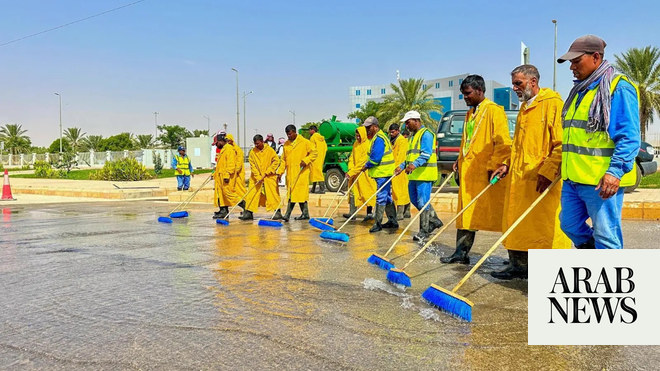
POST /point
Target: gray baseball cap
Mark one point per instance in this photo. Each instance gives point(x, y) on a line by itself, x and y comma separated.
point(583, 44)
point(371, 120)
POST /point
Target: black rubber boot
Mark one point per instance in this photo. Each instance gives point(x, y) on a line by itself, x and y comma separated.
point(247, 215)
point(464, 242)
point(370, 214)
point(223, 213)
point(289, 210)
point(378, 217)
point(321, 188)
point(390, 211)
point(434, 220)
point(313, 190)
point(424, 226)
point(278, 215)
point(517, 267)
point(217, 214)
point(305, 212)
point(242, 204)
point(591, 244)
point(399, 212)
point(351, 207)
point(406, 211)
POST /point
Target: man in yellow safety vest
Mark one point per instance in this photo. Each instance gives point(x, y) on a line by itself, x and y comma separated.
point(183, 169)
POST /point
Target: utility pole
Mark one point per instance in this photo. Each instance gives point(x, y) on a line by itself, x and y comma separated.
point(238, 127)
point(156, 121)
point(208, 124)
point(554, 60)
point(244, 114)
point(59, 96)
point(293, 112)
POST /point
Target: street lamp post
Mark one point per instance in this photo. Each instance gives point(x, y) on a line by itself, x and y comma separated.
point(156, 122)
point(60, 96)
point(244, 114)
point(293, 112)
point(208, 124)
point(554, 60)
point(238, 128)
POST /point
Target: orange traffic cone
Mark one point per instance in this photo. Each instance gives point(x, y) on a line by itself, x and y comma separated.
point(6, 189)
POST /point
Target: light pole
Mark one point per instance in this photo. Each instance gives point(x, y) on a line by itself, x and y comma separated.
point(554, 60)
point(293, 112)
point(60, 96)
point(244, 114)
point(208, 124)
point(238, 128)
point(156, 121)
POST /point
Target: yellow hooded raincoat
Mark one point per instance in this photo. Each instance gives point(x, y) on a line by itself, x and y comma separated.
point(365, 186)
point(317, 166)
point(296, 153)
point(263, 164)
point(225, 168)
point(239, 187)
point(489, 148)
point(400, 182)
point(536, 150)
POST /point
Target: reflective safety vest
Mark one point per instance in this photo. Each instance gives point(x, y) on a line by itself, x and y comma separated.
point(428, 171)
point(386, 166)
point(586, 156)
point(183, 164)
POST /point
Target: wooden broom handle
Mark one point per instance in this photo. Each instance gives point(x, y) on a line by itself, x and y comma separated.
point(506, 234)
point(335, 198)
point(243, 198)
point(366, 202)
point(348, 193)
point(187, 201)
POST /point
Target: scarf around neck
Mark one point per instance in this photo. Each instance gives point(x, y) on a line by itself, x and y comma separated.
point(599, 112)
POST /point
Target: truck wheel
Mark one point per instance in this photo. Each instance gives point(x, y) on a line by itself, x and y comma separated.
point(333, 179)
point(638, 179)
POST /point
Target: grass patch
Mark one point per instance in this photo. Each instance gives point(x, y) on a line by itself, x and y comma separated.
point(84, 174)
point(651, 181)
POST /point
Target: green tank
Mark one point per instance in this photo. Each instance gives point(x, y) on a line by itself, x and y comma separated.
point(339, 137)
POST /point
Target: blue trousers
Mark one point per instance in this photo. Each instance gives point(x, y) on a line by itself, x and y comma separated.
point(420, 192)
point(580, 202)
point(183, 182)
point(383, 197)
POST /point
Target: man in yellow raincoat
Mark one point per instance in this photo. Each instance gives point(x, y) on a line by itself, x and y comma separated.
point(486, 145)
point(239, 181)
point(400, 182)
point(264, 163)
point(298, 155)
point(535, 162)
point(365, 186)
point(318, 141)
point(224, 176)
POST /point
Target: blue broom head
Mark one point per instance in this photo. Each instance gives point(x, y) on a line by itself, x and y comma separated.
point(164, 219)
point(336, 236)
point(222, 221)
point(381, 262)
point(179, 214)
point(449, 302)
point(269, 223)
point(317, 223)
point(399, 277)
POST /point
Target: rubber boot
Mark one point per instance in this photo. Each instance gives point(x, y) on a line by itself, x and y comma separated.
point(313, 190)
point(305, 212)
point(399, 212)
point(406, 211)
point(278, 215)
point(424, 226)
point(517, 267)
point(289, 210)
point(247, 215)
point(352, 209)
point(390, 211)
point(242, 204)
point(434, 220)
point(370, 214)
point(321, 188)
point(224, 210)
point(464, 242)
point(217, 214)
point(378, 217)
point(591, 244)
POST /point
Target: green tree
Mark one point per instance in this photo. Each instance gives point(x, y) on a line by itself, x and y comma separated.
point(15, 139)
point(198, 133)
point(119, 142)
point(408, 95)
point(371, 108)
point(55, 146)
point(145, 141)
point(173, 135)
point(93, 143)
point(642, 66)
point(304, 130)
point(75, 137)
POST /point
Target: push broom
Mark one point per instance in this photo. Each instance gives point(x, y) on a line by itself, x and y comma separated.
point(276, 223)
point(343, 237)
point(328, 225)
point(399, 276)
point(458, 305)
point(225, 221)
point(382, 261)
point(182, 214)
point(324, 222)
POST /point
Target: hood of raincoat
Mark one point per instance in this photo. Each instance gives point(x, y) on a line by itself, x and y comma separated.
point(546, 93)
point(230, 138)
point(363, 134)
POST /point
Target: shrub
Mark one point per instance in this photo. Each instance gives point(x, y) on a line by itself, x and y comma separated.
point(122, 169)
point(42, 169)
point(158, 164)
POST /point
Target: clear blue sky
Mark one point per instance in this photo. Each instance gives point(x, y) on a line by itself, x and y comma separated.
point(175, 57)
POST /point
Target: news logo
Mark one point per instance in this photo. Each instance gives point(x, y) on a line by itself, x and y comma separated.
point(594, 297)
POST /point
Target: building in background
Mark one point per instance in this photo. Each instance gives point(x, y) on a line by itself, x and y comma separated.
point(446, 90)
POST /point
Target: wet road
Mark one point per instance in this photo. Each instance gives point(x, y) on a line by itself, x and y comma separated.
point(105, 286)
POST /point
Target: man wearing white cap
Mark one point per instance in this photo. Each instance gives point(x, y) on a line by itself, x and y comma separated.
point(421, 165)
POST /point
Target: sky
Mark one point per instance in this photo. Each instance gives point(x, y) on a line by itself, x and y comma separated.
point(176, 57)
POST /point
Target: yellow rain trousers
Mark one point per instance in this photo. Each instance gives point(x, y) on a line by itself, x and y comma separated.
point(263, 164)
point(225, 194)
point(317, 165)
point(365, 186)
point(400, 182)
point(239, 186)
point(536, 150)
point(489, 148)
point(296, 153)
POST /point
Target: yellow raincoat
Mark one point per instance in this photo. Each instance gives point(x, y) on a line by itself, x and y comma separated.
point(263, 164)
point(400, 182)
point(536, 150)
point(318, 141)
point(365, 186)
point(489, 148)
point(296, 154)
point(239, 186)
point(225, 168)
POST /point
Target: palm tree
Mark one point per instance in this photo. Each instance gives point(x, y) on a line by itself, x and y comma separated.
point(15, 139)
point(198, 133)
point(75, 136)
point(643, 68)
point(94, 142)
point(145, 140)
point(409, 95)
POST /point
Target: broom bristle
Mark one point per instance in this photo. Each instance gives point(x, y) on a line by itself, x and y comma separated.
point(381, 262)
point(449, 302)
point(399, 277)
point(336, 236)
point(321, 225)
point(222, 221)
point(179, 214)
point(164, 219)
point(269, 223)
